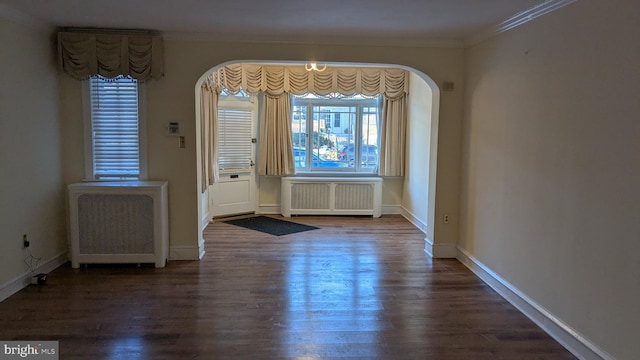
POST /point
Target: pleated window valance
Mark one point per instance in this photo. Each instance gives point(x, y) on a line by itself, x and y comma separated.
point(83, 54)
point(275, 80)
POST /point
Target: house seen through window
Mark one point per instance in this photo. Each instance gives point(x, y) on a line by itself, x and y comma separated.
point(335, 133)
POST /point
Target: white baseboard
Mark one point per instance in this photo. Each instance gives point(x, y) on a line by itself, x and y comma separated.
point(271, 209)
point(414, 220)
point(391, 209)
point(24, 280)
point(187, 252)
point(440, 251)
point(205, 223)
point(201, 251)
point(572, 340)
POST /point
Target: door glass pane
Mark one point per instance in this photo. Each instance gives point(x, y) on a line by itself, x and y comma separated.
point(234, 139)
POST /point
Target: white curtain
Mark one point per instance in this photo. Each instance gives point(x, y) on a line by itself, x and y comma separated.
point(296, 80)
point(275, 155)
point(392, 137)
point(208, 134)
point(110, 53)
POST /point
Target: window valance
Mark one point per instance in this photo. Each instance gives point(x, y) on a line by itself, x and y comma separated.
point(294, 79)
point(83, 54)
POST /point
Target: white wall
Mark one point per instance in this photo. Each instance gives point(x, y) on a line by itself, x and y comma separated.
point(31, 187)
point(415, 196)
point(551, 166)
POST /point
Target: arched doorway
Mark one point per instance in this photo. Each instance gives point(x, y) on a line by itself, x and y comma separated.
point(412, 196)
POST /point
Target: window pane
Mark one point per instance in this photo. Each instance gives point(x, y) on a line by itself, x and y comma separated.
point(299, 126)
point(115, 128)
point(369, 144)
point(339, 128)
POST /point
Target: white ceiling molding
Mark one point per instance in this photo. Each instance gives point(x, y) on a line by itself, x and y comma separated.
point(518, 19)
point(19, 17)
point(343, 40)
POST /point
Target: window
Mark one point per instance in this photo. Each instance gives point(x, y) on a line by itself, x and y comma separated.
point(113, 128)
point(343, 132)
point(336, 121)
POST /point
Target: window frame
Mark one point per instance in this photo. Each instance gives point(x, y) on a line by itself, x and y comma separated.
point(88, 133)
point(338, 101)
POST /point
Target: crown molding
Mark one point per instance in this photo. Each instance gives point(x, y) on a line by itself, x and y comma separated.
point(518, 19)
point(9, 13)
point(342, 41)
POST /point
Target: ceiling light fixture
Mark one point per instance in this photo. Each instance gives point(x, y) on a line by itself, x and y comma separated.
point(314, 67)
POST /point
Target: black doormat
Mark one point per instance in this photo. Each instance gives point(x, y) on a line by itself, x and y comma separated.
point(270, 225)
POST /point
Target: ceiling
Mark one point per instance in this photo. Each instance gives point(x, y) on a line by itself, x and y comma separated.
point(328, 21)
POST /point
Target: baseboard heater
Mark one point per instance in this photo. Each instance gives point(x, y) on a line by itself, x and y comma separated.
point(331, 196)
point(119, 222)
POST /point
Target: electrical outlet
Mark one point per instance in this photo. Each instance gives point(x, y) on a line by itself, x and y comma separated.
point(25, 242)
point(446, 218)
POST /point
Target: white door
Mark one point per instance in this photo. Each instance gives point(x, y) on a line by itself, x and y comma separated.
point(235, 192)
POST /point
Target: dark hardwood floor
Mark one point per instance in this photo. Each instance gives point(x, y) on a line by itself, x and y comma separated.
point(355, 288)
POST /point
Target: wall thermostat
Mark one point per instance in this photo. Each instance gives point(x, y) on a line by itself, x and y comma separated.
point(174, 128)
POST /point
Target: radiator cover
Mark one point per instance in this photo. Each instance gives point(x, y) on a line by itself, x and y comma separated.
point(119, 222)
point(331, 196)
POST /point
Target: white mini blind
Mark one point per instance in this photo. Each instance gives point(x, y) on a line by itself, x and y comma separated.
point(234, 139)
point(115, 128)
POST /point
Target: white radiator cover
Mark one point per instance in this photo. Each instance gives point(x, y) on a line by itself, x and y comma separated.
point(119, 222)
point(331, 196)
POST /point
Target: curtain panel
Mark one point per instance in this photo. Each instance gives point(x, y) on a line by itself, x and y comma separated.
point(275, 155)
point(393, 137)
point(208, 136)
point(274, 80)
point(85, 54)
